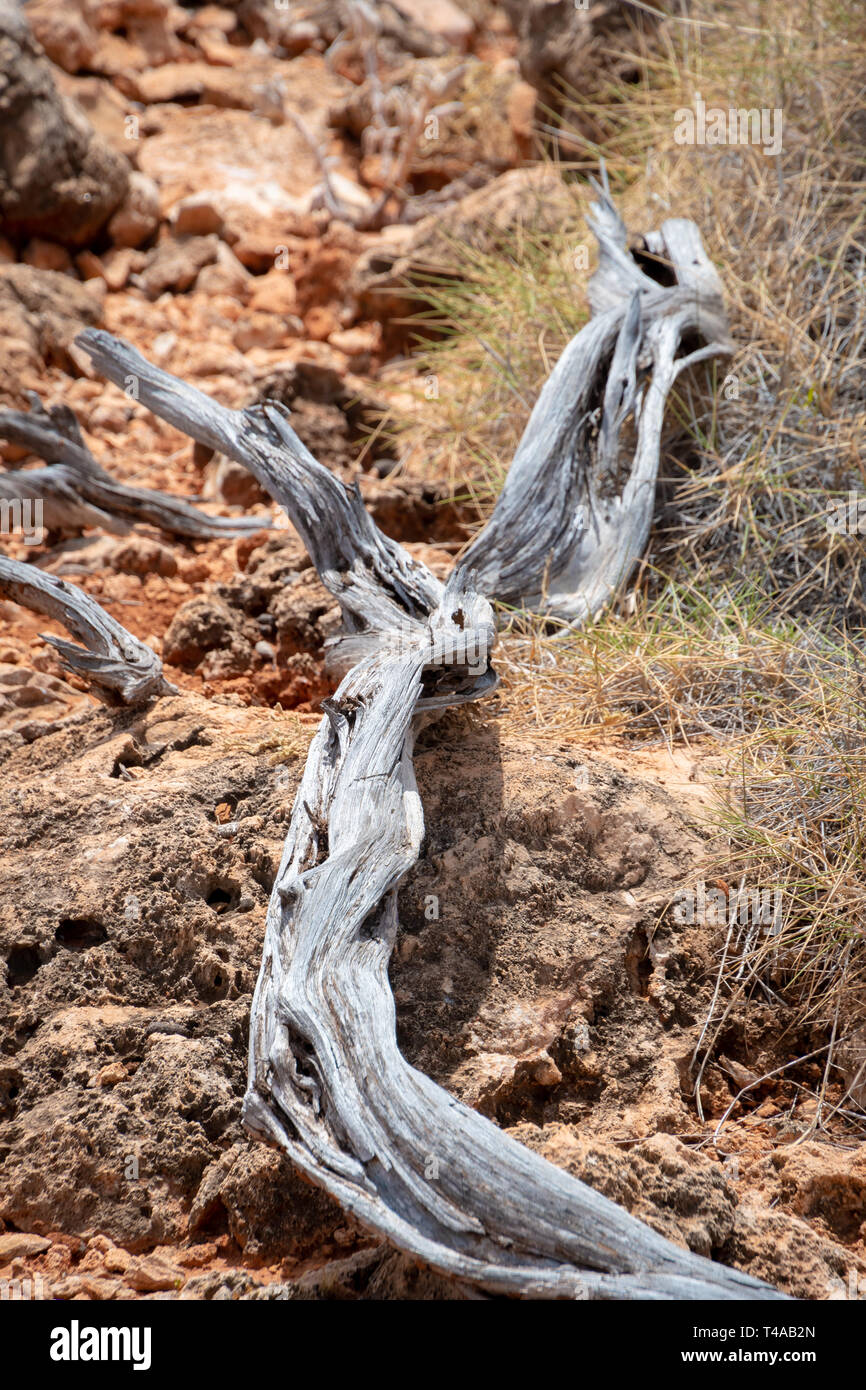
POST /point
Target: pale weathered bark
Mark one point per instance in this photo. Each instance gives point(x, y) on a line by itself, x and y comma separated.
point(377, 582)
point(77, 491)
point(575, 511)
point(120, 669)
point(326, 1082)
point(57, 492)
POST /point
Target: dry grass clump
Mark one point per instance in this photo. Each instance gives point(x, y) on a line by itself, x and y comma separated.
point(794, 825)
point(677, 666)
point(767, 443)
point(488, 333)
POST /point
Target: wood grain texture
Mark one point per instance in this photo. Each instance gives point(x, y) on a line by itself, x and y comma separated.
point(120, 669)
point(77, 491)
point(575, 511)
point(327, 1083)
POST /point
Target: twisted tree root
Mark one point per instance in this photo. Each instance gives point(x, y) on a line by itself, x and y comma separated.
point(327, 1083)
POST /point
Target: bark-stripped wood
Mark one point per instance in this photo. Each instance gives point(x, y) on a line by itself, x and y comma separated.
point(77, 491)
point(327, 1082)
point(120, 669)
point(575, 511)
point(58, 493)
point(377, 582)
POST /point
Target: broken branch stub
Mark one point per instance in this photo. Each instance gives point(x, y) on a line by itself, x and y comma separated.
point(327, 1083)
point(121, 669)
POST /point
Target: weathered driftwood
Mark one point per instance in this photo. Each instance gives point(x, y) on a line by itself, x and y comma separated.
point(77, 491)
point(377, 582)
point(326, 1082)
point(57, 491)
point(575, 511)
point(121, 670)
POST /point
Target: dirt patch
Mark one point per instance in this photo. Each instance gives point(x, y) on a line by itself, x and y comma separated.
point(535, 975)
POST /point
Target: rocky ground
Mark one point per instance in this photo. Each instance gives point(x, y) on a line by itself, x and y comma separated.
point(539, 974)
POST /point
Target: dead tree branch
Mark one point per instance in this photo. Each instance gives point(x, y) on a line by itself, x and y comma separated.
point(77, 491)
point(63, 507)
point(121, 669)
point(574, 514)
point(327, 1082)
point(376, 581)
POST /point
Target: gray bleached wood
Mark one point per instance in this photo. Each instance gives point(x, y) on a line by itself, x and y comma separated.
point(121, 670)
point(327, 1083)
point(574, 514)
point(62, 505)
point(77, 491)
point(376, 581)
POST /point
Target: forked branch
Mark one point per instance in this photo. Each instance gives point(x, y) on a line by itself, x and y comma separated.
point(575, 512)
point(327, 1082)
